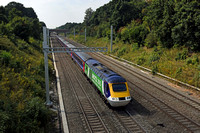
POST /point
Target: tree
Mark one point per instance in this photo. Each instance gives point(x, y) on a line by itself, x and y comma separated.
point(14, 13)
point(123, 14)
point(26, 12)
point(3, 17)
point(21, 27)
point(88, 15)
point(187, 25)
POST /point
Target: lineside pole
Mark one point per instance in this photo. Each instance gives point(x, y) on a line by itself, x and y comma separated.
point(47, 36)
point(48, 102)
point(74, 33)
point(85, 34)
point(111, 38)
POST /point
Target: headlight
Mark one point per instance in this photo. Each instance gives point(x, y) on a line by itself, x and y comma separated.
point(115, 99)
point(128, 98)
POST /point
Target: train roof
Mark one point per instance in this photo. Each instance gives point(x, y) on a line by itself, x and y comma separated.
point(104, 72)
point(66, 43)
point(83, 56)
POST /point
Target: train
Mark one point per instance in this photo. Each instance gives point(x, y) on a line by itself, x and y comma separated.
point(112, 86)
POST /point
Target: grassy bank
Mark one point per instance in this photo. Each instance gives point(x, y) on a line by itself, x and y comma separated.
point(22, 86)
point(176, 62)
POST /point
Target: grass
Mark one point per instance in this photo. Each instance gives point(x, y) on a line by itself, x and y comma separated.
point(177, 63)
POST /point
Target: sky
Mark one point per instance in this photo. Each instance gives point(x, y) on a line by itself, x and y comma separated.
point(55, 13)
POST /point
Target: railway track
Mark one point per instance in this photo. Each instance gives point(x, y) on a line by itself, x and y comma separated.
point(190, 102)
point(181, 119)
point(189, 124)
point(128, 121)
point(169, 91)
point(93, 120)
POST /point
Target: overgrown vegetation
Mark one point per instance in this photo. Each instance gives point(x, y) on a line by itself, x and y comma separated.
point(158, 34)
point(177, 63)
point(22, 93)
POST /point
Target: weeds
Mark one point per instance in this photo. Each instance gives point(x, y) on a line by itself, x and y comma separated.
point(154, 57)
point(181, 55)
point(140, 60)
point(154, 70)
point(121, 51)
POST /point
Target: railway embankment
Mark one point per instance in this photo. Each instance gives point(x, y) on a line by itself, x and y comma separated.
point(22, 93)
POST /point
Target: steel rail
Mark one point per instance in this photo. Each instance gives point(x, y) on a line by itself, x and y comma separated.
point(91, 115)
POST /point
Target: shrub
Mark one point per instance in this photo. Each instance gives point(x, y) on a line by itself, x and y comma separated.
point(16, 64)
point(154, 57)
point(121, 51)
point(154, 70)
point(35, 115)
point(151, 40)
point(22, 45)
point(178, 71)
point(5, 58)
point(182, 55)
point(192, 61)
point(198, 67)
point(135, 46)
point(189, 61)
point(140, 60)
point(196, 79)
point(3, 120)
point(115, 50)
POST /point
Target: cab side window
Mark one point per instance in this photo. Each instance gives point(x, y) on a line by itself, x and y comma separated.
point(106, 89)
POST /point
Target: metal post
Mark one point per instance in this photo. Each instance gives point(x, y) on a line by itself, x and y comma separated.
point(111, 38)
point(48, 37)
point(85, 34)
point(74, 33)
point(48, 102)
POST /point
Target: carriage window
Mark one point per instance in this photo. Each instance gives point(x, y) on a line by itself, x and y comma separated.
point(119, 87)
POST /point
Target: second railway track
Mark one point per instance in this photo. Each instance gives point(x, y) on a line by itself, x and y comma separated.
point(183, 120)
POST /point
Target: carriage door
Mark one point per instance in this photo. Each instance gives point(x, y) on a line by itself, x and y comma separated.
point(106, 89)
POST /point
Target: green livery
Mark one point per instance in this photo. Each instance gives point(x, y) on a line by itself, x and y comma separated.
point(94, 78)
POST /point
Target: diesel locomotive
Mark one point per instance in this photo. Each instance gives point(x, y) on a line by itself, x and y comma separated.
point(111, 85)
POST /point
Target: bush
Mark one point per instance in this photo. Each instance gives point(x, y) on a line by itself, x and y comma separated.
point(154, 57)
point(192, 61)
point(154, 70)
point(115, 50)
point(3, 120)
point(140, 60)
point(5, 58)
point(121, 51)
point(182, 55)
point(135, 46)
point(178, 72)
point(189, 61)
point(151, 40)
point(35, 115)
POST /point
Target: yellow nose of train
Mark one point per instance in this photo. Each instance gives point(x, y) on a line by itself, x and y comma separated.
point(119, 94)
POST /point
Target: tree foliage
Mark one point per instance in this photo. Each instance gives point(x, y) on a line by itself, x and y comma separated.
point(16, 20)
point(157, 22)
point(22, 95)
